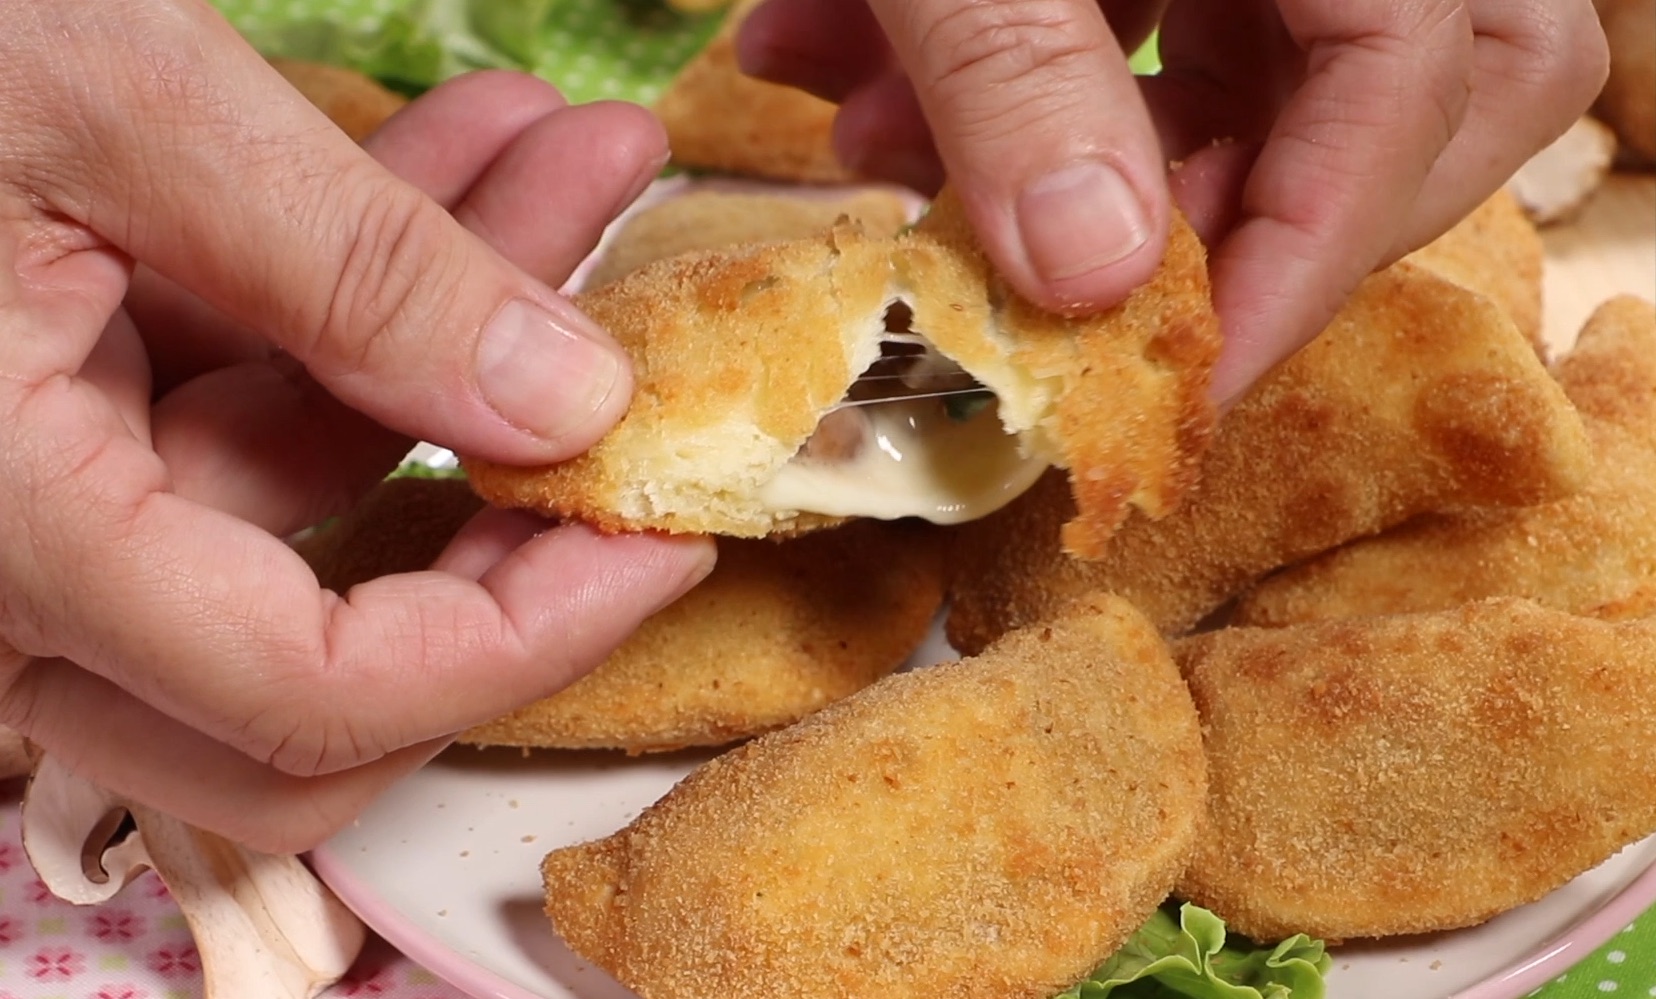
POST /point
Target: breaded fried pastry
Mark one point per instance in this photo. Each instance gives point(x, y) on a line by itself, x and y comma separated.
point(1413, 773)
point(719, 118)
point(711, 220)
point(1496, 251)
point(777, 631)
point(1419, 396)
point(1593, 553)
point(988, 829)
point(784, 387)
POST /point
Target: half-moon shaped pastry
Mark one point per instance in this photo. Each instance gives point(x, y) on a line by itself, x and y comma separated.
point(1416, 772)
point(777, 631)
point(986, 829)
point(785, 387)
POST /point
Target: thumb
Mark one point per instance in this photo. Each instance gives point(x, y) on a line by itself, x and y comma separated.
point(199, 161)
point(1041, 129)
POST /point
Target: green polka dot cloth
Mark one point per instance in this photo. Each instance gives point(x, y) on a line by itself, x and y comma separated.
point(628, 49)
point(1625, 967)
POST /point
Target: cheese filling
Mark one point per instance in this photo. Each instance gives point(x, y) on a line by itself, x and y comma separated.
point(905, 458)
point(906, 443)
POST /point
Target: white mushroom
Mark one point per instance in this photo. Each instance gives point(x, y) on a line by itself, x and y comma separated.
point(264, 926)
point(1555, 184)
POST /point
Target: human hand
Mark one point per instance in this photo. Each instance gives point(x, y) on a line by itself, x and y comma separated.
point(1317, 139)
point(155, 633)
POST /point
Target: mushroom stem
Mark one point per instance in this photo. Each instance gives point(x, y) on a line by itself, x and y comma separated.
point(264, 926)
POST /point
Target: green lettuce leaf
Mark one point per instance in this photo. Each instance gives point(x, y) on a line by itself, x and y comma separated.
point(419, 46)
point(1189, 959)
point(1147, 60)
point(420, 470)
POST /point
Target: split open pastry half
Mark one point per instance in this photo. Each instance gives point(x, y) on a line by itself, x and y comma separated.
point(788, 386)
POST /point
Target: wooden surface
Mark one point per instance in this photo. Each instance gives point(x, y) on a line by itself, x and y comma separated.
point(1609, 249)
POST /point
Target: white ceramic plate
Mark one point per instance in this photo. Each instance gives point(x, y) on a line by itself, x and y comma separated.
point(446, 867)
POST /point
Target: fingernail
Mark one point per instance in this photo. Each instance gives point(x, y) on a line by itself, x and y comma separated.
point(555, 378)
point(1081, 218)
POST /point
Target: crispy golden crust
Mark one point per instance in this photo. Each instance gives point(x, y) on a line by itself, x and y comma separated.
point(354, 102)
point(1495, 251)
point(1420, 772)
point(1122, 395)
point(988, 829)
point(711, 220)
point(779, 630)
point(737, 354)
point(1420, 396)
point(1593, 553)
point(718, 118)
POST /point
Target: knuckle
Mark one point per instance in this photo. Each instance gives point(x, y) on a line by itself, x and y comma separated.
point(302, 740)
point(1553, 57)
point(1569, 50)
point(988, 44)
point(394, 263)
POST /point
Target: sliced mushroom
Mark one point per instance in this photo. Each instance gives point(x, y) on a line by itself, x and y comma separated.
point(264, 926)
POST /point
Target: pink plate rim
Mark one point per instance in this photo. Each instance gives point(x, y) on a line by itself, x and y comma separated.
point(1512, 982)
point(1570, 947)
point(402, 933)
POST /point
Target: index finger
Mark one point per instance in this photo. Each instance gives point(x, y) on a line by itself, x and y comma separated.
point(1385, 90)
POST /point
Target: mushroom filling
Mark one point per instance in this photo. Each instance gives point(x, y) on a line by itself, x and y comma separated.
point(915, 436)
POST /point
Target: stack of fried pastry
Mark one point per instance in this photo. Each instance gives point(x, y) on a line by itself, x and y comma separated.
point(1385, 669)
point(1388, 666)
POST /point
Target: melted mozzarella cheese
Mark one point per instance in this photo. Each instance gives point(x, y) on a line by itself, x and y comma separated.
point(913, 460)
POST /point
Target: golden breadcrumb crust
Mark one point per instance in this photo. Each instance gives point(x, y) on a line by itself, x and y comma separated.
point(1415, 773)
point(1420, 396)
point(989, 829)
point(737, 354)
point(1122, 394)
point(1592, 553)
point(1497, 252)
point(779, 630)
point(711, 220)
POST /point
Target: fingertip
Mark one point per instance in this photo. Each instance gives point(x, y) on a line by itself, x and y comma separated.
point(696, 555)
point(552, 375)
point(1086, 235)
point(635, 138)
point(603, 585)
